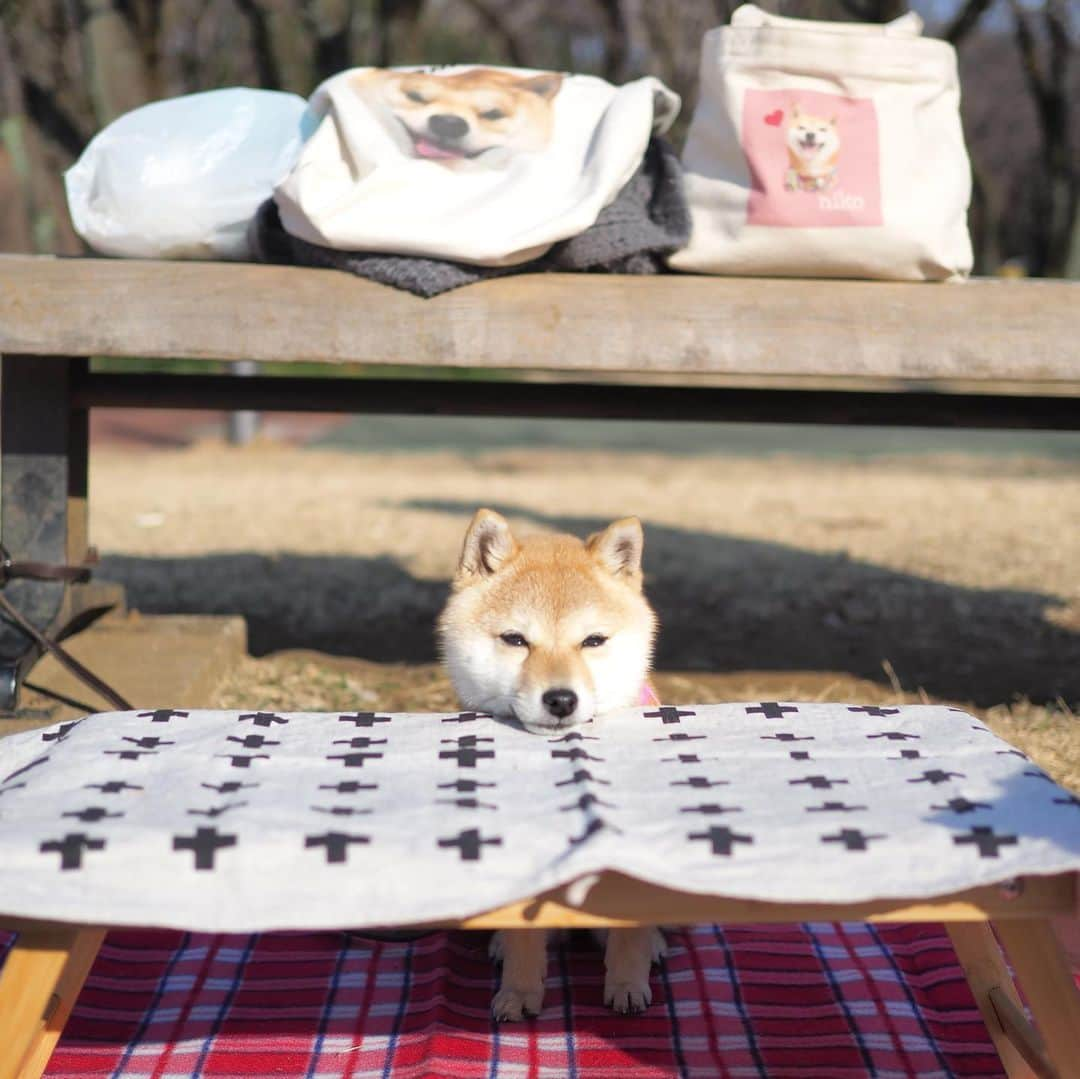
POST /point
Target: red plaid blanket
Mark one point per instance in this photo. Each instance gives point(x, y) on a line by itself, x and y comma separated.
point(822, 1000)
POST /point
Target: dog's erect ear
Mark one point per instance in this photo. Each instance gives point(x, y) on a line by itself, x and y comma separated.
point(488, 546)
point(618, 549)
point(546, 85)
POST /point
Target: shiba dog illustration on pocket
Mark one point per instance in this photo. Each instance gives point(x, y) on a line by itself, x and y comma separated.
point(480, 116)
point(813, 145)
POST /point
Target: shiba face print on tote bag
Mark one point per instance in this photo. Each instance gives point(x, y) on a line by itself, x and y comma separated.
point(827, 150)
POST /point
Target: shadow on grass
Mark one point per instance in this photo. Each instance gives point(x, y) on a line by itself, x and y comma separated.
point(725, 604)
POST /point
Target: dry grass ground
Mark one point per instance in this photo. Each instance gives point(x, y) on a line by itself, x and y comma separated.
point(934, 577)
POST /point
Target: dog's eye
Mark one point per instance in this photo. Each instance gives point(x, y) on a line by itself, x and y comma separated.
point(515, 640)
point(415, 95)
point(492, 114)
point(594, 640)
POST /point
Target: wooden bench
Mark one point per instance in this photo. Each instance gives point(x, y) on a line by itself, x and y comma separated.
point(985, 354)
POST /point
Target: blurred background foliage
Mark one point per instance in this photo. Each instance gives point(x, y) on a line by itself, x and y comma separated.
point(68, 67)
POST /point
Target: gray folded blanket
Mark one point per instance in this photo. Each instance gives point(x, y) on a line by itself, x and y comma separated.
point(648, 220)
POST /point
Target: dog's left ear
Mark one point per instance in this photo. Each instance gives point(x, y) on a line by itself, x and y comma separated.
point(546, 85)
point(618, 549)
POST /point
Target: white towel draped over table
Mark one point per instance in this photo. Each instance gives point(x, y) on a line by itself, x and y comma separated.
point(245, 821)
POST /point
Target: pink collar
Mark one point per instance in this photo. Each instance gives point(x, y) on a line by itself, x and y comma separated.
point(647, 695)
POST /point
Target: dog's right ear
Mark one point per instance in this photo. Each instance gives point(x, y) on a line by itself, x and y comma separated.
point(489, 544)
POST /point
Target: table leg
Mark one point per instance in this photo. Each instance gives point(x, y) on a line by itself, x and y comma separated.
point(39, 983)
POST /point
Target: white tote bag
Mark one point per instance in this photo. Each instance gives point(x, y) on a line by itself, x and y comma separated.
point(823, 149)
point(478, 164)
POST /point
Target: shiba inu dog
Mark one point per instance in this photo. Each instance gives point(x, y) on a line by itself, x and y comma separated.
point(482, 115)
point(552, 631)
point(813, 145)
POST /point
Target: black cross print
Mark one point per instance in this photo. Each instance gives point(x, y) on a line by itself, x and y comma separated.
point(680, 736)
point(113, 786)
point(711, 809)
point(699, 782)
point(61, 732)
point(24, 769)
point(262, 719)
point(833, 807)
point(242, 760)
point(13, 787)
point(1071, 800)
point(130, 754)
point(465, 717)
point(583, 775)
point(230, 786)
point(771, 709)
point(467, 754)
point(852, 838)
point(215, 811)
point(360, 743)
point(71, 848)
point(363, 719)
point(874, 710)
point(962, 805)
point(894, 736)
point(787, 736)
point(348, 786)
point(936, 775)
point(150, 741)
point(595, 825)
point(206, 842)
point(163, 715)
point(585, 802)
point(466, 741)
point(575, 736)
point(666, 714)
point(341, 811)
point(985, 839)
point(353, 760)
point(1011, 753)
point(975, 726)
point(1033, 772)
point(469, 843)
point(336, 843)
point(91, 814)
point(686, 758)
point(799, 755)
point(575, 754)
point(907, 755)
point(253, 741)
point(466, 803)
point(722, 839)
point(817, 782)
point(464, 786)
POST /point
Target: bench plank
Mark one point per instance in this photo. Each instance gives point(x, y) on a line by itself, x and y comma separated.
point(684, 326)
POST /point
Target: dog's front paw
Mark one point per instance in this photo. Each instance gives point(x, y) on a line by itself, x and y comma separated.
point(627, 997)
point(495, 947)
point(511, 1004)
point(657, 945)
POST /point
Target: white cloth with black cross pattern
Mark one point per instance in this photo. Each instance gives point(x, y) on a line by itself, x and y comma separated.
point(244, 821)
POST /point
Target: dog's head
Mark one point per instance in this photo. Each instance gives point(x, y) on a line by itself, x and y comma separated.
point(812, 138)
point(549, 630)
point(462, 116)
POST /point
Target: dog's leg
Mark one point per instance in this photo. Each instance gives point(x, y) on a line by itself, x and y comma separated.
point(627, 958)
point(524, 964)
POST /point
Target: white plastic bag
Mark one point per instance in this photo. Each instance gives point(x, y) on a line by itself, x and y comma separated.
point(182, 178)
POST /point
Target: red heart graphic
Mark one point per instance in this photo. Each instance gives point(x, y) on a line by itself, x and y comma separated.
point(774, 118)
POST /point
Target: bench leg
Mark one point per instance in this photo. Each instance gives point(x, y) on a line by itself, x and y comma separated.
point(43, 468)
point(1051, 1048)
point(39, 984)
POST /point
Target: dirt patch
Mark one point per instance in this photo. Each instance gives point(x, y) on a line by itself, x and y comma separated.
point(940, 576)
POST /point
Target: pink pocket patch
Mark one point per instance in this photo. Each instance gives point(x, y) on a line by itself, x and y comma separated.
point(813, 159)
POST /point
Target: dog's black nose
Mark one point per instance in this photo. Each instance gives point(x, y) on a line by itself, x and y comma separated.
point(448, 126)
point(560, 702)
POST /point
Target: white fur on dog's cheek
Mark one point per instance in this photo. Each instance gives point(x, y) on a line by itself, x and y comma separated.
point(618, 670)
point(483, 679)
